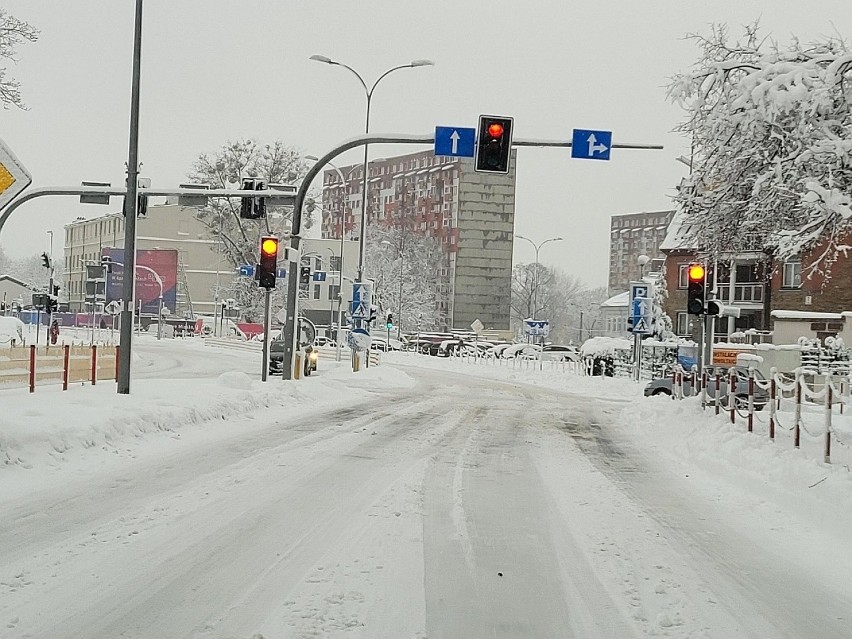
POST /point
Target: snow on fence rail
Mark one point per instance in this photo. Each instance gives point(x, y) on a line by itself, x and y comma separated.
point(804, 402)
point(59, 364)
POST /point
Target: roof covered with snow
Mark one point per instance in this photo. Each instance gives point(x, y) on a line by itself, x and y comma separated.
point(622, 299)
point(678, 237)
point(806, 315)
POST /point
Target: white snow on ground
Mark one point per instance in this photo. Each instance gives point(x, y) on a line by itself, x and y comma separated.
point(420, 498)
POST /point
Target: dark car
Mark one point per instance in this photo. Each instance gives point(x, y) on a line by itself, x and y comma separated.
point(276, 358)
point(663, 386)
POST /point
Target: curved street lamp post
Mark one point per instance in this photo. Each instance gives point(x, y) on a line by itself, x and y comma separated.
point(537, 248)
point(368, 91)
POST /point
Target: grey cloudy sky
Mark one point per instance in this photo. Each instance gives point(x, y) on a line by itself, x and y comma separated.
point(214, 70)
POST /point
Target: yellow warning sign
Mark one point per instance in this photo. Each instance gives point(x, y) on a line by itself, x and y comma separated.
point(6, 178)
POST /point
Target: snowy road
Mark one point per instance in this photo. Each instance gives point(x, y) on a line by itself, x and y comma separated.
point(457, 508)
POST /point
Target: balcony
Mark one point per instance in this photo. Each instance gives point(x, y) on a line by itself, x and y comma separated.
point(748, 293)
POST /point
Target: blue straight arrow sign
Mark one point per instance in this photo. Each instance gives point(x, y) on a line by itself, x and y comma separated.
point(455, 142)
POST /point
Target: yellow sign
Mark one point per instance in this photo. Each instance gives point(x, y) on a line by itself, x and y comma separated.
point(6, 178)
point(14, 178)
point(726, 356)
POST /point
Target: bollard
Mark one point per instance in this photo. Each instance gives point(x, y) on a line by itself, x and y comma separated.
point(828, 398)
point(750, 399)
point(732, 396)
point(32, 368)
point(297, 365)
point(117, 352)
point(66, 362)
point(797, 436)
point(772, 393)
point(94, 364)
point(718, 400)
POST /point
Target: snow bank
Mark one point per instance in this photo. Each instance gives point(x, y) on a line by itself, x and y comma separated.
point(604, 346)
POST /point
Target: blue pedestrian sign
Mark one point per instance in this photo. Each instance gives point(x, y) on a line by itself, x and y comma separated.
point(640, 310)
point(362, 299)
point(456, 142)
point(281, 273)
point(536, 327)
point(247, 270)
point(591, 145)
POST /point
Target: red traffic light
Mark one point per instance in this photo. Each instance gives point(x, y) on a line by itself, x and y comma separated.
point(495, 130)
point(696, 272)
point(269, 246)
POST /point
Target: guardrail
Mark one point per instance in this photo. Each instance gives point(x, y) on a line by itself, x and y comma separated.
point(803, 388)
point(63, 364)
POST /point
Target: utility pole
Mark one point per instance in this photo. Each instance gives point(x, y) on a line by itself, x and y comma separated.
point(130, 203)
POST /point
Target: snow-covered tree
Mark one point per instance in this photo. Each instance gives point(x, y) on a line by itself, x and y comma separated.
point(771, 133)
point(544, 293)
point(395, 255)
point(12, 33)
point(662, 323)
point(274, 163)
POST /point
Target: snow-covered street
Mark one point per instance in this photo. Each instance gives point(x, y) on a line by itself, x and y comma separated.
point(399, 502)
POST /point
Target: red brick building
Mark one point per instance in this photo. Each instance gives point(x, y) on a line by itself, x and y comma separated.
point(755, 282)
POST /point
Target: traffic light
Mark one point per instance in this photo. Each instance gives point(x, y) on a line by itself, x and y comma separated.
point(695, 293)
point(268, 261)
point(142, 206)
point(252, 208)
point(715, 307)
point(305, 275)
point(389, 324)
point(106, 262)
point(493, 144)
point(45, 260)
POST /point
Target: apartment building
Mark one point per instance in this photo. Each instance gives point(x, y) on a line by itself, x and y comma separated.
point(320, 299)
point(632, 235)
point(470, 214)
point(199, 268)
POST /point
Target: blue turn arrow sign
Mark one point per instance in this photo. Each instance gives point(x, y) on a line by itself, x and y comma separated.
point(591, 145)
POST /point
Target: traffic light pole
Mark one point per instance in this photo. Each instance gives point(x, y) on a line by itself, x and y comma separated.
point(267, 295)
point(319, 165)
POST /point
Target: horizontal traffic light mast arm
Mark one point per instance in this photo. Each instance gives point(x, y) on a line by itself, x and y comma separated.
point(30, 194)
point(403, 138)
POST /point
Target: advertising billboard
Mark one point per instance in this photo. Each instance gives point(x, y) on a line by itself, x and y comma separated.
point(153, 268)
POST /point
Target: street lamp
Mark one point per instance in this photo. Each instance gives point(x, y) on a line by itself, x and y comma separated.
point(369, 94)
point(642, 260)
point(537, 248)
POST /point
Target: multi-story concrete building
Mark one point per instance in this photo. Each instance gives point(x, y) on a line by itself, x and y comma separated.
point(200, 267)
point(630, 236)
point(471, 214)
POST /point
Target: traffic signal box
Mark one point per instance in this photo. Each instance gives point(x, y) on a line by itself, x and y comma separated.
point(389, 323)
point(493, 144)
point(268, 261)
point(696, 289)
point(252, 208)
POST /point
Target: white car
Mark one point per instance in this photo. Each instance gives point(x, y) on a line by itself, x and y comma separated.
point(559, 353)
point(521, 351)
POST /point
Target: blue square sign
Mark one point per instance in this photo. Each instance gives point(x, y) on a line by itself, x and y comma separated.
point(457, 142)
point(591, 145)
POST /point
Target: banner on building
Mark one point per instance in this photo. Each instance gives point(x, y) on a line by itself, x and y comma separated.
point(154, 267)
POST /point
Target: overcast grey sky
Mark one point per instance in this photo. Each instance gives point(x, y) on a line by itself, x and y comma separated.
point(214, 70)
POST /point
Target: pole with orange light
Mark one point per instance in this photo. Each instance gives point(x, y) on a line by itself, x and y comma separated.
point(265, 276)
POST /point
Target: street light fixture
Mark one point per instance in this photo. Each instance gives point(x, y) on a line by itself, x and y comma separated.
point(369, 95)
point(537, 248)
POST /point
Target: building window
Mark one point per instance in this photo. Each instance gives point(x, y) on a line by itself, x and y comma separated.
point(317, 263)
point(683, 323)
point(683, 276)
point(792, 275)
point(333, 291)
point(334, 263)
point(317, 291)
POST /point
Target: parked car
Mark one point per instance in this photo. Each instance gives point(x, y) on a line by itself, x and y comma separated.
point(559, 353)
point(663, 386)
point(521, 351)
point(11, 332)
